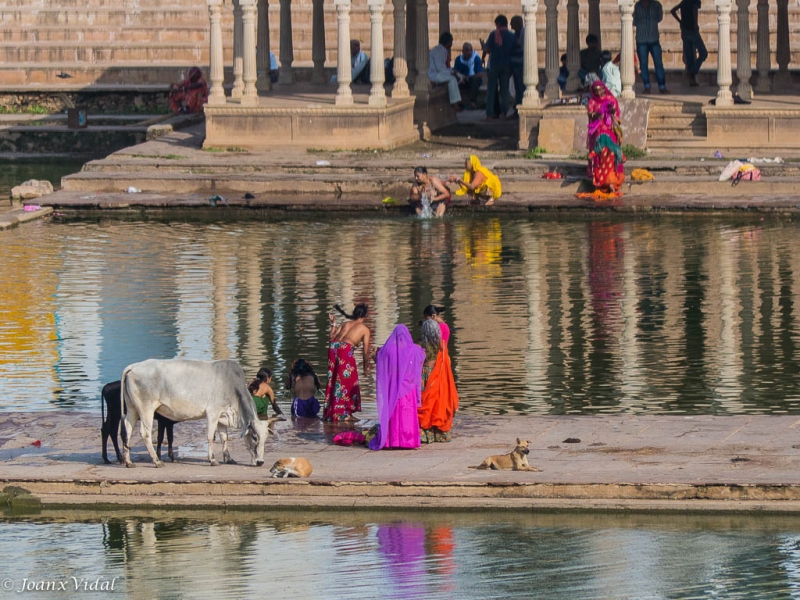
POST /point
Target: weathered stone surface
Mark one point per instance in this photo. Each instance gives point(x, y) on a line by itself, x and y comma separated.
point(33, 188)
point(634, 115)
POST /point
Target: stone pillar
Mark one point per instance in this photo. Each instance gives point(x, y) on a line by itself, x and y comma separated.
point(249, 94)
point(377, 75)
point(743, 67)
point(400, 88)
point(552, 91)
point(444, 16)
point(573, 47)
point(762, 48)
point(216, 94)
point(783, 53)
point(411, 41)
point(344, 72)
point(626, 70)
point(422, 85)
point(724, 75)
point(530, 61)
point(263, 82)
point(594, 20)
point(287, 50)
point(238, 60)
point(318, 42)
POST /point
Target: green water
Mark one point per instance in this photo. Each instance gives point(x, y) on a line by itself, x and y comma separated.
point(15, 172)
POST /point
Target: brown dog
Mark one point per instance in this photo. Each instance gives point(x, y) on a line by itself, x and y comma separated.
point(291, 467)
point(516, 460)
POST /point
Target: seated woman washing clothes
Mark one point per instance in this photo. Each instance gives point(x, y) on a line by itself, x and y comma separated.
point(343, 392)
point(604, 140)
point(433, 188)
point(478, 182)
point(262, 393)
point(189, 95)
point(399, 372)
point(304, 384)
point(439, 396)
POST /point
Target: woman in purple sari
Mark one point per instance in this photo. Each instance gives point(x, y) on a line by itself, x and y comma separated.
point(399, 382)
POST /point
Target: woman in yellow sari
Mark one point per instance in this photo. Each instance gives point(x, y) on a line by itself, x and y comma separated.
point(478, 181)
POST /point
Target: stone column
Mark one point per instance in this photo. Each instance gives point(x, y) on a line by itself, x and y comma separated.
point(743, 67)
point(530, 61)
point(411, 41)
point(344, 72)
point(762, 48)
point(783, 53)
point(216, 94)
point(238, 61)
point(400, 88)
point(377, 95)
point(422, 85)
point(724, 75)
point(444, 16)
point(249, 94)
point(573, 47)
point(594, 20)
point(552, 91)
point(263, 82)
point(287, 50)
point(318, 42)
point(627, 72)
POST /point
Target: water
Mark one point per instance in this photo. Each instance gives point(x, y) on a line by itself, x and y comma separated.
point(313, 554)
point(425, 200)
point(548, 315)
point(13, 173)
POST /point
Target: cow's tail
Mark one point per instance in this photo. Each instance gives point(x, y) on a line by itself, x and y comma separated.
point(123, 382)
point(103, 407)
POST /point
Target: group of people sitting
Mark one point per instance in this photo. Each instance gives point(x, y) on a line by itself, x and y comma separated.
point(416, 394)
point(596, 65)
point(477, 182)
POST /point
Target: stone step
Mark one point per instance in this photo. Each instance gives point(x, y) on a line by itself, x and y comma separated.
point(97, 17)
point(95, 53)
point(102, 35)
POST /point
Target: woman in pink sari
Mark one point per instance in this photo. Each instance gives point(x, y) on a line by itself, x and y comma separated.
point(399, 382)
point(604, 140)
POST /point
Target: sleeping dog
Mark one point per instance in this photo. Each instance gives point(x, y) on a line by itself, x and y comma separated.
point(291, 467)
point(516, 460)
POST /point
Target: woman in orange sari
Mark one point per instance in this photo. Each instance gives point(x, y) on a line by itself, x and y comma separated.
point(439, 395)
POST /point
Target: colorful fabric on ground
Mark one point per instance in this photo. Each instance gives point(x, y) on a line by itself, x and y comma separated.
point(343, 393)
point(604, 138)
point(308, 408)
point(399, 368)
point(642, 175)
point(490, 187)
point(439, 397)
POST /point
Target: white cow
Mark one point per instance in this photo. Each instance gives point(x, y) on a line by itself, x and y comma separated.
point(186, 390)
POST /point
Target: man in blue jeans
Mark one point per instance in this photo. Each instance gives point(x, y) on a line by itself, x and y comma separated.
point(500, 47)
point(694, 50)
point(647, 14)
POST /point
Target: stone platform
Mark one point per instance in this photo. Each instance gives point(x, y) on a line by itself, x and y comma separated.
point(717, 463)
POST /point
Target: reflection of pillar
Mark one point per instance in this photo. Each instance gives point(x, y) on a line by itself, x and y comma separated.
point(627, 74)
point(573, 47)
point(250, 94)
point(411, 41)
point(535, 356)
point(743, 68)
point(783, 53)
point(530, 61)
point(287, 50)
point(632, 384)
point(729, 350)
point(552, 90)
point(724, 76)
point(318, 42)
point(263, 82)
point(377, 95)
point(238, 60)
point(400, 88)
point(762, 47)
point(344, 71)
point(444, 16)
point(216, 94)
point(422, 84)
point(594, 20)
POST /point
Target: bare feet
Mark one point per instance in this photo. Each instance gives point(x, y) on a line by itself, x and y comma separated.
point(490, 201)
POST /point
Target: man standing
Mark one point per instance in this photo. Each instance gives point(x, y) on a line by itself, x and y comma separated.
point(440, 72)
point(500, 47)
point(694, 50)
point(359, 63)
point(468, 66)
point(647, 14)
point(518, 27)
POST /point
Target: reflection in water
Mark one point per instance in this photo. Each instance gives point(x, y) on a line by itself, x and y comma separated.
point(547, 315)
point(441, 555)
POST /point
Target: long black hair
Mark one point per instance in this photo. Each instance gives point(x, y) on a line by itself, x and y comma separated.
point(432, 310)
point(359, 312)
point(261, 376)
point(301, 368)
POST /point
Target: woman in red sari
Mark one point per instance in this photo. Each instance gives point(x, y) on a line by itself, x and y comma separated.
point(439, 396)
point(189, 95)
point(343, 392)
point(604, 140)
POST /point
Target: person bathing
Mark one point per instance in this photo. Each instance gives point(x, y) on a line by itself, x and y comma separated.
point(343, 392)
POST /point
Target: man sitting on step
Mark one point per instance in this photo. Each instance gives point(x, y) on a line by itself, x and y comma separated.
point(439, 70)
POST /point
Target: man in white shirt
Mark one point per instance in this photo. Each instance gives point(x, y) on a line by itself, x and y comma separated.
point(439, 70)
point(359, 63)
point(610, 74)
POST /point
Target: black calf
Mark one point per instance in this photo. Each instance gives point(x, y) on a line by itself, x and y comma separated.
point(111, 400)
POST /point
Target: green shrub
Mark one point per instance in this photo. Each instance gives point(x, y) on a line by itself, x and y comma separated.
point(633, 152)
point(535, 152)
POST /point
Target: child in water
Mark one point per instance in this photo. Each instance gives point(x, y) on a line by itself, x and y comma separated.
point(262, 393)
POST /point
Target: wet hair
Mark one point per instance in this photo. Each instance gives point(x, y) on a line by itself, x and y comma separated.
point(359, 312)
point(501, 21)
point(422, 170)
point(592, 39)
point(432, 310)
point(301, 368)
point(261, 377)
point(431, 339)
point(605, 56)
point(445, 38)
